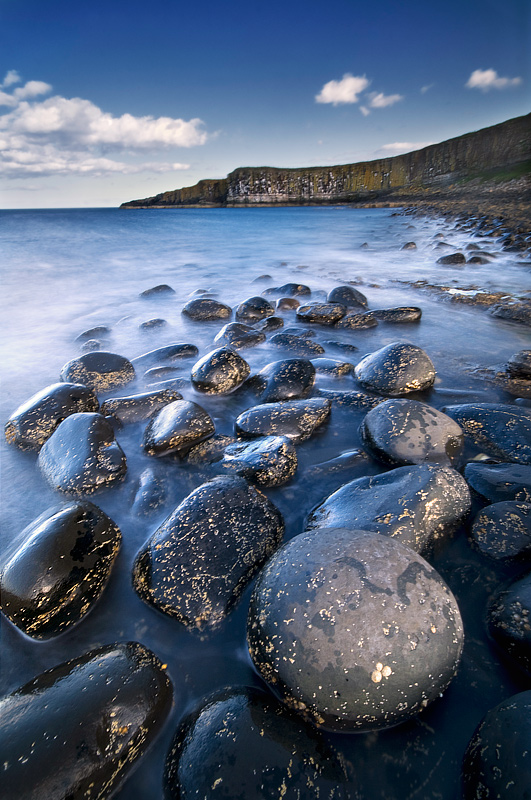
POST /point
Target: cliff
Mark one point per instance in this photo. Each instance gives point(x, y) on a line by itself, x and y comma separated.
point(402, 179)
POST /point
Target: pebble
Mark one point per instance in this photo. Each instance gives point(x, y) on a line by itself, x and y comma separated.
point(220, 372)
point(177, 427)
point(204, 309)
point(396, 369)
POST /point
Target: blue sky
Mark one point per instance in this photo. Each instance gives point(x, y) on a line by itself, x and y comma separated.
point(109, 100)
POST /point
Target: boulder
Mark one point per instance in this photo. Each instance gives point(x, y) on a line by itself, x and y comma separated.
point(290, 379)
point(396, 369)
point(452, 259)
point(161, 288)
point(519, 365)
point(497, 482)
point(269, 324)
point(503, 530)
point(267, 461)
point(254, 309)
point(333, 367)
point(237, 335)
point(99, 370)
point(347, 296)
point(288, 290)
point(321, 313)
point(399, 314)
point(296, 419)
point(150, 493)
point(176, 428)
point(517, 312)
point(138, 407)
point(298, 345)
point(220, 372)
point(509, 621)
point(287, 304)
point(500, 429)
point(170, 352)
point(355, 320)
point(149, 324)
point(205, 309)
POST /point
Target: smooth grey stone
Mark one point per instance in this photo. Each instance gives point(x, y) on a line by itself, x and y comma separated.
point(347, 296)
point(409, 246)
point(162, 288)
point(210, 451)
point(289, 290)
point(99, 370)
point(396, 369)
point(297, 419)
point(419, 506)
point(93, 333)
point(198, 562)
point(353, 630)
point(170, 352)
point(177, 427)
point(452, 259)
point(270, 324)
point(138, 407)
point(205, 308)
point(82, 455)
point(267, 461)
point(330, 366)
point(60, 568)
point(354, 321)
point(238, 336)
point(297, 344)
point(150, 493)
point(519, 365)
point(290, 379)
point(76, 730)
point(496, 762)
point(402, 431)
point(321, 313)
point(500, 429)
point(34, 421)
point(153, 323)
point(220, 372)
point(399, 314)
point(498, 482)
point(241, 735)
point(509, 621)
point(503, 530)
point(517, 312)
point(254, 309)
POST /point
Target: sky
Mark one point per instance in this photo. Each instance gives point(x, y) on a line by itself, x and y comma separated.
point(104, 101)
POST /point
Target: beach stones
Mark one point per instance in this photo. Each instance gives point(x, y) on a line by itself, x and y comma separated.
point(170, 352)
point(197, 563)
point(160, 289)
point(500, 429)
point(347, 296)
point(396, 369)
point(220, 372)
point(452, 259)
point(496, 762)
point(332, 367)
point(269, 324)
point(419, 506)
point(237, 335)
point(138, 407)
point(297, 419)
point(355, 320)
point(321, 313)
point(267, 461)
point(77, 729)
point(59, 570)
point(516, 312)
point(298, 345)
point(176, 428)
point(35, 420)
point(353, 630)
point(503, 530)
point(256, 748)
point(205, 309)
point(254, 309)
point(82, 455)
point(509, 621)
point(290, 379)
point(497, 482)
point(99, 370)
point(519, 365)
point(288, 290)
point(402, 431)
point(399, 314)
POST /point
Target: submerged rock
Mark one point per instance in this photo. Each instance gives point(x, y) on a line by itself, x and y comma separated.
point(220, 372)
point(77, 729)
point(503, 530)
point(35, 420)
point(287, 304)
point(161, 288)
point(347, 296)
point(60, 569)
point(177, 427)
point(330, 366)
point(151, 492)
point(355, 320)
point(500, 429)
point(399, 314)
point(297, 419)
point(509, 620)
point(452, 259)
point(519, 365)
point(170, 352)
point(298, 345)
point(138, 407)
point(289, 290)
point(205, 308)
point(517, 312)
point(270, 324)
point(196, 565)
point(267, 461)
point(321, 313)
point(241, 735)
point(290, 379)
point(82, 455)
point(497, 482)
point(99, 370)
point(254, 309)
point(153, 323)
point(396, 369)
point(354, 630)
point(237, 335)
point(210, 451)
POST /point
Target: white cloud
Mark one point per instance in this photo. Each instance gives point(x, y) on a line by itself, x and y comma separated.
point(426, 88)
point(486, 79)
point(365, 111)
point(380, 100)
point(344, 91)
point(11, 77)
point(395, 148)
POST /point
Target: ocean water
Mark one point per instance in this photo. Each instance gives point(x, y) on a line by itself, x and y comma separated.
point(65, 271)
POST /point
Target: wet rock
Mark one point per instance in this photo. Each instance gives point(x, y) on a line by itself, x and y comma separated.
point(503, 530)
point(151, 492)
point(396, 369)
point(82, 455)
point(156, 373)
point(496, 762)
point(509, 621)
point(77, 729)
point(197, 563)
point(354, 630)
point(478, 260)
point(298, 330)
point(354, 321)
point(321, 313)
point(204, 309)
point(93, 333)
point(162, 288)
point(519, 365)
point(297, 345)
point(499, 429)
point(170, 352)
point(177, 427)
point(267, 461)
point(296, 419)
point(210, 451)
point(400, 314)
point(289, 290)
point(499, 482)
point(220, 372)
point(240, 735)
point(290, 379)
point(401, 432)
point(287, 304)
point(517, 312)
point(409, 246)
point(238, 336)
point(351, 399)
point(99, 370)
point(347, 296)
point(270, 324)
point(330, 366)
point(138, 407)
point(35, 420)
point(153, 323)
point(452, 259)
point(60, 569)
point(342, 346)
point(254, 309)
point(419, 506)
point(90, 345)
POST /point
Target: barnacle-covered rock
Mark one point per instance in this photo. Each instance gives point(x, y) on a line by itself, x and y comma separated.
point(297, 419)
point(138, 407)
point(500, 429)
point(254, 309)
point(205, 309)
point(177, 427)
point(503, 530)
point(220, 372)
point(290, 379)
point(396, 369)
point(267, 461)
point(99, 370)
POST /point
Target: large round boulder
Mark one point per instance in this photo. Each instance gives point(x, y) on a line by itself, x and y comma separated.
point(176, 428)
point(290, 379)
point(497, 482)
point(503, 530)
point(396, 369)
point(348, 296)
point(509, 620)
point(254, 309)
point(266, 461)
point(297, 419)
point(220, 372)
point(500, 429)
point(138, 407)
point(238, 336)
point(354, 630)
point(99, 370)
point(205, 309)
point(321, 313)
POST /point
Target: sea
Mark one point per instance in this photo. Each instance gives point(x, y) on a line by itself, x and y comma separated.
point(66, 271)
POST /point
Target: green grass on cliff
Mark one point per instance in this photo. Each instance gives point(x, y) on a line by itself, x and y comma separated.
point(498, 175)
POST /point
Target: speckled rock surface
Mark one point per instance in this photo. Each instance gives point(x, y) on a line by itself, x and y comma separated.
point(117, 698)
point(99, 370)
point(210, 451)
point(354, 320)
point(197, 563)
point(509, 620)
point(519, 365)
point(160, 289)
point(348, 296)
point(82, 455)
point(497, 482)
point(297, 419)
point(269, 324)
point(402, 431)
point(138, 407)
point(237, 335)
point(60, 568)
point(170, 352)
point(177, 427)
point(419, 506)
point(35, 420)
point(220, 372)
point(205, 308)
point(399, 314)
point(503, 530)
point(354, 630)
point(267, 461)
point(321, 313)
point(242, 743)
point(396, 369)
point(289, 379)
point(254, 309)
point(333, 367)
point(298, 345)
point(500, 429)
point(288, 290)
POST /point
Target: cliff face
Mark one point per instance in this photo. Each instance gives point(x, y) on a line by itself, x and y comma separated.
point(401, 178)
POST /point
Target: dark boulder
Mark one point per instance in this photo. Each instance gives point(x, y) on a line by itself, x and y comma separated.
point(35, 420)
point(151, 492)
point(321, 313)
point(298, 345)
point(254, 309)
point(498, 482)
point(238, 336)
point(210, 451)
point(99, 370)
point(288, 290)
point(198, 562)
point(399, 314)
point(270, 324)
point(220, 372)
point(162, 288)
point(93, 333)
point(345, 347)
point(297, 419)
point(267, 461)
point(519, 365)
point(152, 323)
point(409, 246)
point(396, 369)
point(452, 259)
point(177, 427)
point(499, 429)
point(354, 630)
point(170, 352)
point(287, 304)
point(347, 296)
point(517, 312)
point(330, 366)
point(357, 321)
point(60, 569)
point(290, 379)
point(509, 621)
point(503, 530)
point(138, 407)
point(205, 308)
